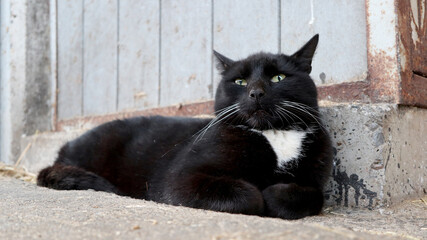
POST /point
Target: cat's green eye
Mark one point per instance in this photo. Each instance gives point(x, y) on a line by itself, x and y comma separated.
point(278, 78)
point(241, 82)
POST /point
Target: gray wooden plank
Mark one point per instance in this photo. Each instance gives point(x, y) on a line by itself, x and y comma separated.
point(100, 57)
point(341, 53)
point(241, 28)
point(53, 62)
point(186, 54)
point(138, 54)
point(70, 58)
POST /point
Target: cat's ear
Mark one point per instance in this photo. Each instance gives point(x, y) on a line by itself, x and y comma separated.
point(223, 61)
point(304, 56)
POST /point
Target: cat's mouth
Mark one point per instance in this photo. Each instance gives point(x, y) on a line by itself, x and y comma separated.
point(259, 119)
point(260, 113)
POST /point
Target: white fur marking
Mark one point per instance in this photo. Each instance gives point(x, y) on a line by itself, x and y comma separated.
point(286, 144)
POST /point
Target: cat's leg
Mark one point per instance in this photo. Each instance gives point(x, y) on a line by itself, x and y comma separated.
point(291, 201)
point(65, 177)
point(218, 193)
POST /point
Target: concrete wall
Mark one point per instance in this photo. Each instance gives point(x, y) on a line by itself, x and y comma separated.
point(406, 154)
point(380, 154)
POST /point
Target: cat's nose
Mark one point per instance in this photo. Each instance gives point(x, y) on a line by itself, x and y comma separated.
point(256, 93)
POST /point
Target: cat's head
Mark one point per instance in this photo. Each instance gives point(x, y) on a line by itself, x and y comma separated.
point(268, 91)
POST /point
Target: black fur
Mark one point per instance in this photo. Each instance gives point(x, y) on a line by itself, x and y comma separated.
point(222, 164)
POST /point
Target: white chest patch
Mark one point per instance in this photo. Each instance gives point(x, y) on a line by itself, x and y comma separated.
point(286, 144)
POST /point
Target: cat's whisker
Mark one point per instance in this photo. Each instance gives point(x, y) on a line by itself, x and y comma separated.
point(270, 124)
point(285, 114)
point(220, 113)
point(221, 116)
point(302, 105)
point(303, 108)
point(281, 116)
point(304, 111)
point(307, 108)
point(293, 114)
point(214, 123)
point(226, 108)
point(308, 112)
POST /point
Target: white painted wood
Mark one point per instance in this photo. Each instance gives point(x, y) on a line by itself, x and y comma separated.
point(129, 79)
point(70, 58)
point(138, 54)
point(245, 27)
point(100, 57)
point(186, 56)
point(12, 77)
point(341, 54)
point(2, 6)
point(53, 61)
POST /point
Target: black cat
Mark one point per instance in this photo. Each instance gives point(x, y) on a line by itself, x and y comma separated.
point(265, 153)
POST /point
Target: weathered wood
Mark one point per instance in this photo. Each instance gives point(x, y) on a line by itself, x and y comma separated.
point(37, 68)
point(138, 54)
point(70, 58)
point(100, 57)
point(186, 55)
point(13, 78)
point(53, 62)
point(341, 53)
point(241, 28)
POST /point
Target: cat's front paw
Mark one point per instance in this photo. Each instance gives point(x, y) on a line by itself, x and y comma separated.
point(291, 201)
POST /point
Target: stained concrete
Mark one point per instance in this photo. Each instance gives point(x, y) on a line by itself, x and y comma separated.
point(31, 212)
point(380, 153)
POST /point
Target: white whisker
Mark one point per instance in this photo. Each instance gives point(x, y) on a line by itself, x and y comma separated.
point(306, 110)
point(293, 114)
point(221, 116)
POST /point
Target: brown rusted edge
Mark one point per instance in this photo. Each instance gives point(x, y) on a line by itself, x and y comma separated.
point(382, 66)
point(192, 109)
point(413, 53)
point(414, 91)
point(382, 84)
point(345, 92)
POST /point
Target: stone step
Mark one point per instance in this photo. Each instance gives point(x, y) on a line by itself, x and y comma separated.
point(380, 153)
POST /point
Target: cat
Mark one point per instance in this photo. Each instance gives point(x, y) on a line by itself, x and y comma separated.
point(265, 153)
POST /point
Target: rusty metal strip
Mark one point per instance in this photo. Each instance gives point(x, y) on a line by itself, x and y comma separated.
point(345, 92)
point(414, 91)
point(412, 25)
point(382, 57)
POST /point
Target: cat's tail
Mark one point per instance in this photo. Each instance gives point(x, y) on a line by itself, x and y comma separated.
point(66, 177)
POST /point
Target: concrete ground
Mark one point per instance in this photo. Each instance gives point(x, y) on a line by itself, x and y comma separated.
point(31, 212)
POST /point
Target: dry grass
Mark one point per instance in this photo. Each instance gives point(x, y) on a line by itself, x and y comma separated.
point(17, 172)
